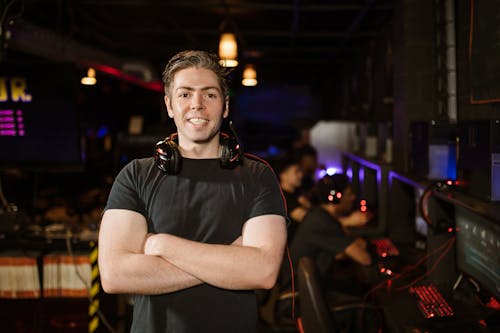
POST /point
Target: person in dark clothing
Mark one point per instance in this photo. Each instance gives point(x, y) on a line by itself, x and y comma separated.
point(194, 230)
point(307, 156)
point(290, 178)
point(321, 234)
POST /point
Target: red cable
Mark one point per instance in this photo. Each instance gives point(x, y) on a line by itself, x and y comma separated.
point(255, 157)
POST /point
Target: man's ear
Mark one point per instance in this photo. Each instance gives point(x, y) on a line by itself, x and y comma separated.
point(169, 106)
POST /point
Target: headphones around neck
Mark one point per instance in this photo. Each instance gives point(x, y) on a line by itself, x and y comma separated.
point(169, 159)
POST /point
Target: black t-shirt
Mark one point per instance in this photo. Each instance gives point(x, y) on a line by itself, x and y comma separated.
point(204, 203)
point(318, 234)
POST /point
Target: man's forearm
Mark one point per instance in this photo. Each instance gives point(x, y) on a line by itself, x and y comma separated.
point(225, 266)
point(143, 274)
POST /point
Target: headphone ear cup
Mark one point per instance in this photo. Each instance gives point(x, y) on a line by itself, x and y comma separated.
point(229, 151)
point(167, 156)
point(337, 196)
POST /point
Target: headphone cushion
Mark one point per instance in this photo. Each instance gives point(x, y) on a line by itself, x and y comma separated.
point(229, 152)
point(167, 156)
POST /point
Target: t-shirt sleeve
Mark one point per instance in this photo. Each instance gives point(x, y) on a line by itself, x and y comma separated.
point(124, 192)
point(267, 198)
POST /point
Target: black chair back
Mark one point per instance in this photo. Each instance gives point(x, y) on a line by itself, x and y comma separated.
point(315, 313)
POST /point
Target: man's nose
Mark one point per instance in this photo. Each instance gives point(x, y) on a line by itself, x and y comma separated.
point(197, 101)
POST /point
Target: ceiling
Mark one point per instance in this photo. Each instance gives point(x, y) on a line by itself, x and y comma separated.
point(298, 38)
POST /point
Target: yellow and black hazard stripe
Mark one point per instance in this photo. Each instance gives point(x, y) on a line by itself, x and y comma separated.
point(95, 289)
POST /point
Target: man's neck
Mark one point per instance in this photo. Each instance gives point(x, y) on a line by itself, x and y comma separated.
point(200, 150)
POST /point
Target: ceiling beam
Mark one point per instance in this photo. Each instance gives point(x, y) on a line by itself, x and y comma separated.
point(237, 5)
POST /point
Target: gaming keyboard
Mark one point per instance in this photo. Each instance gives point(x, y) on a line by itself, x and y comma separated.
point(430, 301)
point(384, 247)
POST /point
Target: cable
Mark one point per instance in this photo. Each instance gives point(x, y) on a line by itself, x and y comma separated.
point(289, 256)
point(446, 245)
point(423, 200)
point(449, 244)
point(3, 199)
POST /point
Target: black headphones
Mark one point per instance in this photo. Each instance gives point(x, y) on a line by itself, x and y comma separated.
point(169, 159)
point(330, 188)
point(334, 196)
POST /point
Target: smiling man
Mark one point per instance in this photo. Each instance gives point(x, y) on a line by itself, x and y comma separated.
point(188, 233)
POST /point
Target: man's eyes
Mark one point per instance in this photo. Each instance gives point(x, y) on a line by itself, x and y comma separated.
point(209, 95)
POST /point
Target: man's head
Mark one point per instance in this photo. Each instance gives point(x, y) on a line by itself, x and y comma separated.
point(198, 59)
point(289, 173)
point(196, 99)
point(336, 190)
point(308, 159)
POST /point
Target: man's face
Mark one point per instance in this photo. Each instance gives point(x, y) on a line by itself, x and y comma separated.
point(292, 176)
point(197, 105)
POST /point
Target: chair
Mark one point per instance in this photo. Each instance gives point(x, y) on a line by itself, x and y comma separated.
point(315, 314)
point(318, 310)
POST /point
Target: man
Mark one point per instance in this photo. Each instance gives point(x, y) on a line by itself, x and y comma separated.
point(290, 177)
point(321, 234)
point(307, 157)
point(193, 244)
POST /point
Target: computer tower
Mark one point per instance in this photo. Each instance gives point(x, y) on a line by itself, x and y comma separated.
point(433, 150)
point(479, 158)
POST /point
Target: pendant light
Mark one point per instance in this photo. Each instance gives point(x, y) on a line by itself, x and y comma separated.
point(90, 79)
point(228, 50)
point(249, 76)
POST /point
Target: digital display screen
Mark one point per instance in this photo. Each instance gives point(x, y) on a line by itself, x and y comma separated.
point(478, 249)
point(39, 125)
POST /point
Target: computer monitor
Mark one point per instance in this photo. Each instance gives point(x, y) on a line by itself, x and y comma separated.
point(404, 225)
point(39, 124)
point(369, 187)
point(478, 249)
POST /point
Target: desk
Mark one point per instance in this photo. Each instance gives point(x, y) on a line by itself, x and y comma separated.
point(401, 314)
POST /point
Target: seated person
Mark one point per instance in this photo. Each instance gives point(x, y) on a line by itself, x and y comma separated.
point(290, 178)
point(307, 157)
point(321, 234)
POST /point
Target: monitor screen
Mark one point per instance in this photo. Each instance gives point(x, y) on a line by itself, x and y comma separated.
point(478, 249)
point(39, 126)
point(369, 186)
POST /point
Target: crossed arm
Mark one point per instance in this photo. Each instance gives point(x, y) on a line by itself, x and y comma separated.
point(131, 261)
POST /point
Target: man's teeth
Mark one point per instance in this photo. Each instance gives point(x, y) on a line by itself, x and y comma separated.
point(198, 121)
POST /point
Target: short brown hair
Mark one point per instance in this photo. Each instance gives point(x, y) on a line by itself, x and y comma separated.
point(198, 59)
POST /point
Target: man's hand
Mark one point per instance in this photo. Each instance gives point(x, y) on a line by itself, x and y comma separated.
point(356, 219)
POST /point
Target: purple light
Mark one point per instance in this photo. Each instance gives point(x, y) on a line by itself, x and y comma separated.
point(19, 113)
point(333, 170)
point(7, 133)
point(20, 119)
point(6, 119)
point(21, 132)
point(321, 173)
point(361, 175)
point(349, 173)
point(6, 112)
point(4, 126)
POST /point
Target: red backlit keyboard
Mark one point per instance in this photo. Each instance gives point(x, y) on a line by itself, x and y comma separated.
point(430, 301)
point(385, 247)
